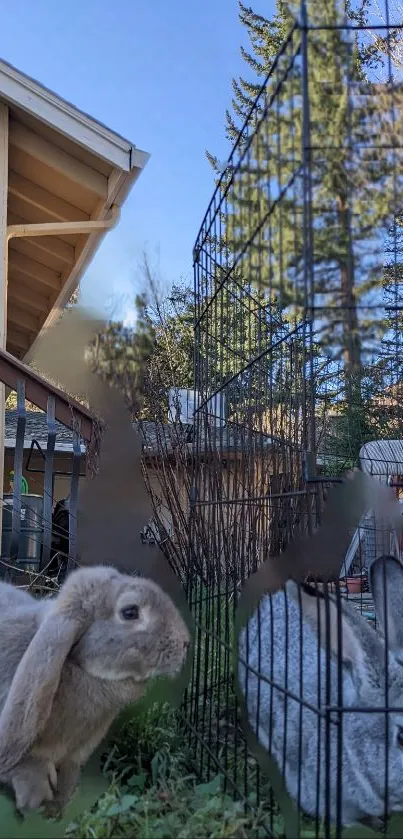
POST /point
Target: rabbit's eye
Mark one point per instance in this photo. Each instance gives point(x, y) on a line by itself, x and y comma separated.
point(400, 737)
point(130, 613)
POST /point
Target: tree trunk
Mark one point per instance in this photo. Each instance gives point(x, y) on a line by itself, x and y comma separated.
point(348, 301)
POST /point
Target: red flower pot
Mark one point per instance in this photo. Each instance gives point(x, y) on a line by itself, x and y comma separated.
point(354, 585)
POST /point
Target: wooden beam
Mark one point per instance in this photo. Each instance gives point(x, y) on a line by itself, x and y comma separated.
point(4, 142)
point(59, 161)
point(17, 352)
point(24, 296)
point(22, 319)
point(118, 185)
point(64, 227)
point(116, 181)
point(45, 246)
point(37, 390)
point(27, 214)
point(28, 249)
point(45, 290)
point(82, 240)
point(50, 206)
point(70, 279)
point(18, 339)
point(21, 265)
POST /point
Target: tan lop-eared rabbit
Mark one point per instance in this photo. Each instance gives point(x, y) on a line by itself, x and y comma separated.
point(69, 665)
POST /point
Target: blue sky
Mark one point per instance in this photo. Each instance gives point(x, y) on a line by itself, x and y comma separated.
point(160, 74)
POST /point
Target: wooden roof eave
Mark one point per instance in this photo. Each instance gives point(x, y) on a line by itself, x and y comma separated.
point(67, 174)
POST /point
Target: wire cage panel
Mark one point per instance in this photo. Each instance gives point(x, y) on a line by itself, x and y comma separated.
point(298, 273)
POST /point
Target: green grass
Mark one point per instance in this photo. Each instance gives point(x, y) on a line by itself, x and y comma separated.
point(154, 791)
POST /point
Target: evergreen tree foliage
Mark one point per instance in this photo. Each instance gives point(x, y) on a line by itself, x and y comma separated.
point(121, 355)
point(252, 291)
point(353, 184)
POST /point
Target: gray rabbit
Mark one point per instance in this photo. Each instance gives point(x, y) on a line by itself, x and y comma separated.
point(69, 664)
point(285, 641)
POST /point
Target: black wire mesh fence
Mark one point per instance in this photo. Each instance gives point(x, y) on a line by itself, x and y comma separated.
point(297, 374)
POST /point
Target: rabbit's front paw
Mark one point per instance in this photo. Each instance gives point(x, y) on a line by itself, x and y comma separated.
point(68, 775)
point(33, 782)
point(52, 810)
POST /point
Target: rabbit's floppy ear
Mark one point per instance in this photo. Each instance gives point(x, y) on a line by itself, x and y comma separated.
point(386, 579)
point(36, 680)
point(334, 629)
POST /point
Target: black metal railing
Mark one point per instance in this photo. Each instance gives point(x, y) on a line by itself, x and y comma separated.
point(39, 529)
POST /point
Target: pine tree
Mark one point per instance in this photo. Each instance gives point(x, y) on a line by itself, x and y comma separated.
point(121, 355)
point(391, 362)
point(232, 341)
point(352, 183)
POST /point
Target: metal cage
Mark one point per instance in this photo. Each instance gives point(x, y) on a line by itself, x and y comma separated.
point(298, 268)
